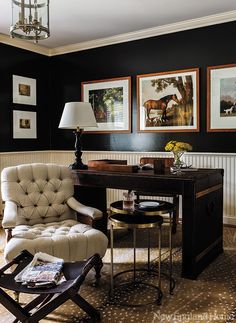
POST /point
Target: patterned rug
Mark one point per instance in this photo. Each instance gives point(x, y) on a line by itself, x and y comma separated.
point(210, 298)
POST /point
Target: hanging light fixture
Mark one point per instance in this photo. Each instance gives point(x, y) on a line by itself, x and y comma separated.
point(30, 19)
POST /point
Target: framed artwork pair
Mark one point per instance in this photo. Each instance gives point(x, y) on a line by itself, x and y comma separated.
point(24, 122)
point(165, 102)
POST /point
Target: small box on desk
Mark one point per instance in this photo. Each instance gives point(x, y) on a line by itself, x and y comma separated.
point(112, 165)
point(98, 162)
point(160, 164)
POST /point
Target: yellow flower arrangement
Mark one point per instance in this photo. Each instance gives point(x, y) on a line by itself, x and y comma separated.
point(177, 146)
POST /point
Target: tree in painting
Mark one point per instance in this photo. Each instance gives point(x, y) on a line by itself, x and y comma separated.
point(107, 104)
point(176, 110)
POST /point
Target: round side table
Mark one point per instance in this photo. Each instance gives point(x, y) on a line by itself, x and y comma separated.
point(134, 221)
point(155, 208)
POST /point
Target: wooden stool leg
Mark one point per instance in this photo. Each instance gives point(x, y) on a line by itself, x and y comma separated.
point(12, 306)
point(41, 299)
point(88, 308)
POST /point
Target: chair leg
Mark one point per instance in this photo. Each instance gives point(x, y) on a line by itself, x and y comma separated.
point(98, 266)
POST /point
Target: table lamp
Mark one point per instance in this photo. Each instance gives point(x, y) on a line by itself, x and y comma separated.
point(77, 115)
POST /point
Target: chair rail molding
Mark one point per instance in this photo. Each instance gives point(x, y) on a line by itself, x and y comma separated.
point(227, 161)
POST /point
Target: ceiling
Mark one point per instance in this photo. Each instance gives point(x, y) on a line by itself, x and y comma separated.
point(79, 21)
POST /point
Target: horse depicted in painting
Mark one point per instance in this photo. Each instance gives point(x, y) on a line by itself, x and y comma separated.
point(160, 104)
point(229, 111)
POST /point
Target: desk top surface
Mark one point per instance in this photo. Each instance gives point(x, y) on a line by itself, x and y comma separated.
point(184, 175)
point(148, 181)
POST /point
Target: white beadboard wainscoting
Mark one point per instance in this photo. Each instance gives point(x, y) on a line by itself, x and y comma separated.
point(200, 160)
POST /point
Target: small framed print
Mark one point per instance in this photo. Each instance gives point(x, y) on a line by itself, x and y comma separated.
point(24, 125)
point(168, 101)
point(111, 103)
point(221, 98)
point(24, 90)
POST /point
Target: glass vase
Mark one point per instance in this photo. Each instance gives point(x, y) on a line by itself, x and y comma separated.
point(178, 163)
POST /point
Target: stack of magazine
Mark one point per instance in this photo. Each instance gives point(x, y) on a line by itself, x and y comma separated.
point(43, 271)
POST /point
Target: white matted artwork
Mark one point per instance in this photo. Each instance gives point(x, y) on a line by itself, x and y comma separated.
point(24, 90)
point(24, 124)
point(111, 103)
point(221, 98)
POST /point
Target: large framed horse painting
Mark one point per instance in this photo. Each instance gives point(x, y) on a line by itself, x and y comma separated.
point(221, 98)
point(168, 101)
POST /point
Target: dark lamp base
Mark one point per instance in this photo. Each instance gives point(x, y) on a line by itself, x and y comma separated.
point(78, 165)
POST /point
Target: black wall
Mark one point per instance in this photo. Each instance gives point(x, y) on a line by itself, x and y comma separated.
point(59, 80)
point(15, 61)
point(194, 48)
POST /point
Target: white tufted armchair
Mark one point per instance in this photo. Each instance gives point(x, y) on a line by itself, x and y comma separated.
point(40, 214)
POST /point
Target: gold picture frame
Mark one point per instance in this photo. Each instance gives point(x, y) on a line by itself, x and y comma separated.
point(168, 101)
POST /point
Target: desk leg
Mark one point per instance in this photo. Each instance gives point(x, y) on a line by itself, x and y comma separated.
point(202, 228)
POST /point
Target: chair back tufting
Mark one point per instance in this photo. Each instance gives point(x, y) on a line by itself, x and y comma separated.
point(40, 192)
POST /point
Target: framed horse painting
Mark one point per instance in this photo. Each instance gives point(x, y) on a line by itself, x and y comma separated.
point(111, 103)
point(221, 98)
point(168, 101)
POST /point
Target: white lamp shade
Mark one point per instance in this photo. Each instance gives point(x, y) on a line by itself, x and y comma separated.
point(77, 114)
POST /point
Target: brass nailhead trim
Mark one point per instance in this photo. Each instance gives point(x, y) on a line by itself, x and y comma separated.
point(209, 190)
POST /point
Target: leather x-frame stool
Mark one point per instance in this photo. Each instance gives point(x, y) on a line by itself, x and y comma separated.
point(48, 299)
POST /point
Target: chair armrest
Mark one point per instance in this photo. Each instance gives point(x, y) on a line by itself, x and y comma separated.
point(9, 215)
point(92, 212)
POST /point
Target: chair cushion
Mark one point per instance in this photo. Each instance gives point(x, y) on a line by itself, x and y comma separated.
point(69, 239)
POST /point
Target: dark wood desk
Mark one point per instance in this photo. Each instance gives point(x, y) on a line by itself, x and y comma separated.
point(202, 207)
